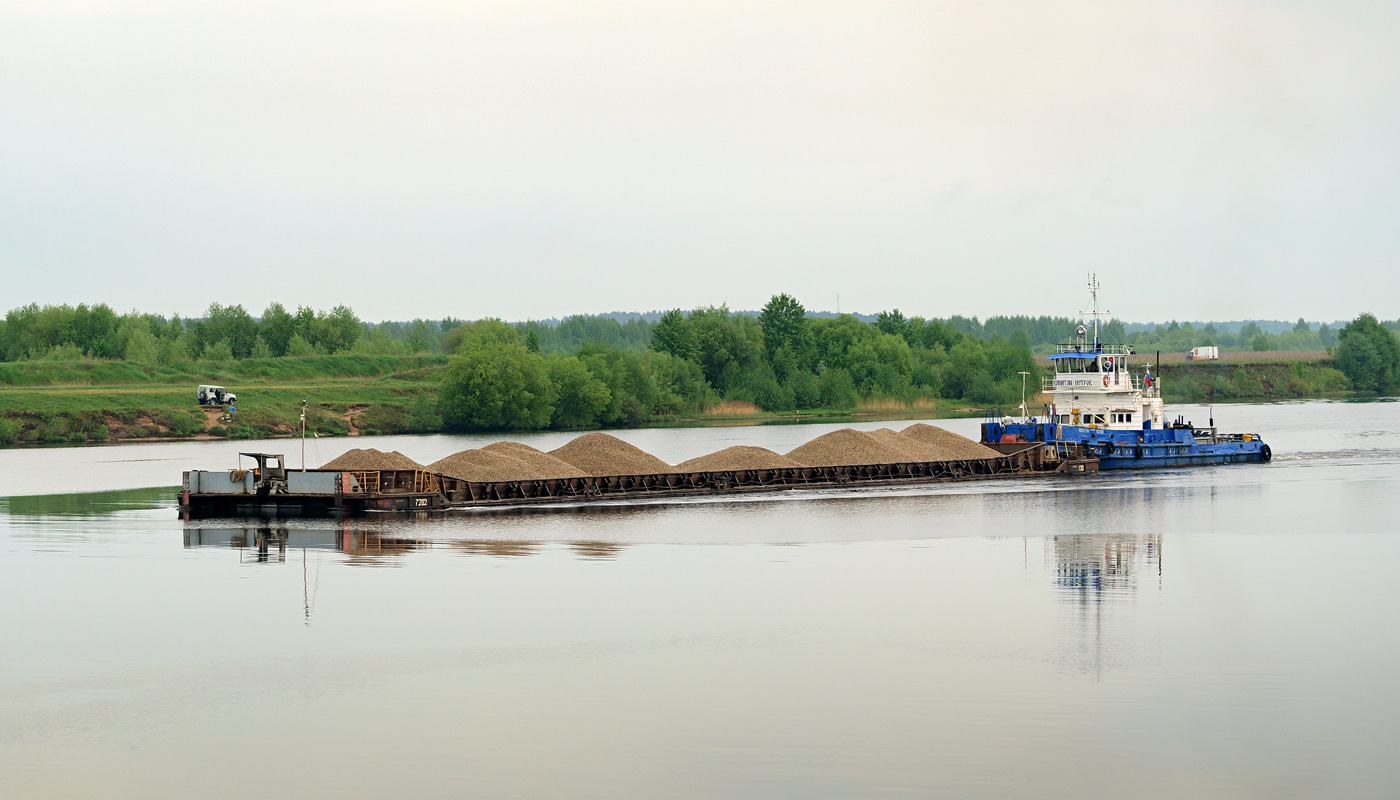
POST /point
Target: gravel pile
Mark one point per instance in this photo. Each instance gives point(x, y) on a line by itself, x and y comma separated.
point(907, 447)
point(540, 463)
point(371, 459)
point(481, 465)
point(504, 461)
point(918, 442)
point(601, 454)
point(844, 447)
point(945, 443)
point(737, 457)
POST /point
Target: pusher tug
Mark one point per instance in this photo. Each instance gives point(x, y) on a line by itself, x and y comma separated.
point(1100, 408)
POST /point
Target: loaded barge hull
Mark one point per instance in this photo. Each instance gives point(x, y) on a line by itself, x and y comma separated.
point(271, 490)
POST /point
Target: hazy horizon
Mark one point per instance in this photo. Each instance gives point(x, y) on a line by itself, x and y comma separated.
point(1209, 160)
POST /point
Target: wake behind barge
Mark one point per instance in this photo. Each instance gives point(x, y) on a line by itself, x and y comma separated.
point(270, 489)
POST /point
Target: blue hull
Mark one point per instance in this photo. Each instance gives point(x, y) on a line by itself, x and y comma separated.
point(1149, 448)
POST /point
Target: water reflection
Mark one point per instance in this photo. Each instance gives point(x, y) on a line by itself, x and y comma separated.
point(1090, 569)
point(87, 504)
point(501, 548)
point(596, 551)
point(1097, 581)
point(268, 543)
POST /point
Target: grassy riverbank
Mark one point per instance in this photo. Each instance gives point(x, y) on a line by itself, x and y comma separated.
point(93, 401)
point(97, 401)
point(54, 402)
point(1213, 381)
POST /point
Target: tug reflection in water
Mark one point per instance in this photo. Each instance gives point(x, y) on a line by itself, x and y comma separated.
point(1088, 567)
point(270, 543)
point(1090, 572)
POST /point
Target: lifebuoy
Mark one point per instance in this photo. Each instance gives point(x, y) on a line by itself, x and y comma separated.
point(1105, 381)
point(1108, 365)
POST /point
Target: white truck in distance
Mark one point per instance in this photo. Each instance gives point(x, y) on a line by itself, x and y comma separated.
point(1203, 354)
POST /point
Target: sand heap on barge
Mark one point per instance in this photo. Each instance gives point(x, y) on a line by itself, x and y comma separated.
point(598, 467)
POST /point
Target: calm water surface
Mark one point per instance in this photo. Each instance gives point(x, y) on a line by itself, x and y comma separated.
point(1219, 632)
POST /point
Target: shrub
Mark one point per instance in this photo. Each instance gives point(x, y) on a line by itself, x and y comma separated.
point(218, 430)
point(806, 389)
point(581, 398)
point(838, 389)
point(497, 386)
point(770, 395)
point(423, 414)
point(9, 431)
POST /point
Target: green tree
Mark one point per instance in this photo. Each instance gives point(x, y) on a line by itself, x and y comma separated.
point(298, 346)
point(532, 342)
point(277, 328)
point(233, 326)
point(1369, 355)
point(482, 333)
point(727, 346)
point(494, 387)
point(172, 350)
point(838, 389)
point(785, 325)
point(418, 337)
point(893, 323)
point(423, 416)
point(582, 397)
point(770, 395)
point(1259, 342)
point(806, 389)
point(141, 345)
point(218, 351)
point(338, 330)
point(672, 334)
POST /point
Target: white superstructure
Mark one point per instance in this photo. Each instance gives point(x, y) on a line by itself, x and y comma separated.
point(1093, 387)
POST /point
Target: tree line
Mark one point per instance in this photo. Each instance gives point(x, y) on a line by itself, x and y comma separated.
point(590, 371)
point(783, 360)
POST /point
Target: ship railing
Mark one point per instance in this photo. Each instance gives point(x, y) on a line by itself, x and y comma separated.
point(1101, 349)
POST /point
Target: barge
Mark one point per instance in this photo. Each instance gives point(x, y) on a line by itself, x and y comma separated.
point(268, 488)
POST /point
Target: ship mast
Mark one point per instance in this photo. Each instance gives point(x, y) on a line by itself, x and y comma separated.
point(1095, 313)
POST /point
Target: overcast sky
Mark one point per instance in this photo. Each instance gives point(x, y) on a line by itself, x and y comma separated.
point(1208, 159)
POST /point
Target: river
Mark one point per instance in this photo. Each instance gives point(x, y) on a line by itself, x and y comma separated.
point(1224, 632)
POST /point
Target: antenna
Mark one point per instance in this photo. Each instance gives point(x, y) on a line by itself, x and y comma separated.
point(1095, 313)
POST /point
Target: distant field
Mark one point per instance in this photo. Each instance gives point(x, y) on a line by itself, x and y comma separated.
point(51, 402)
